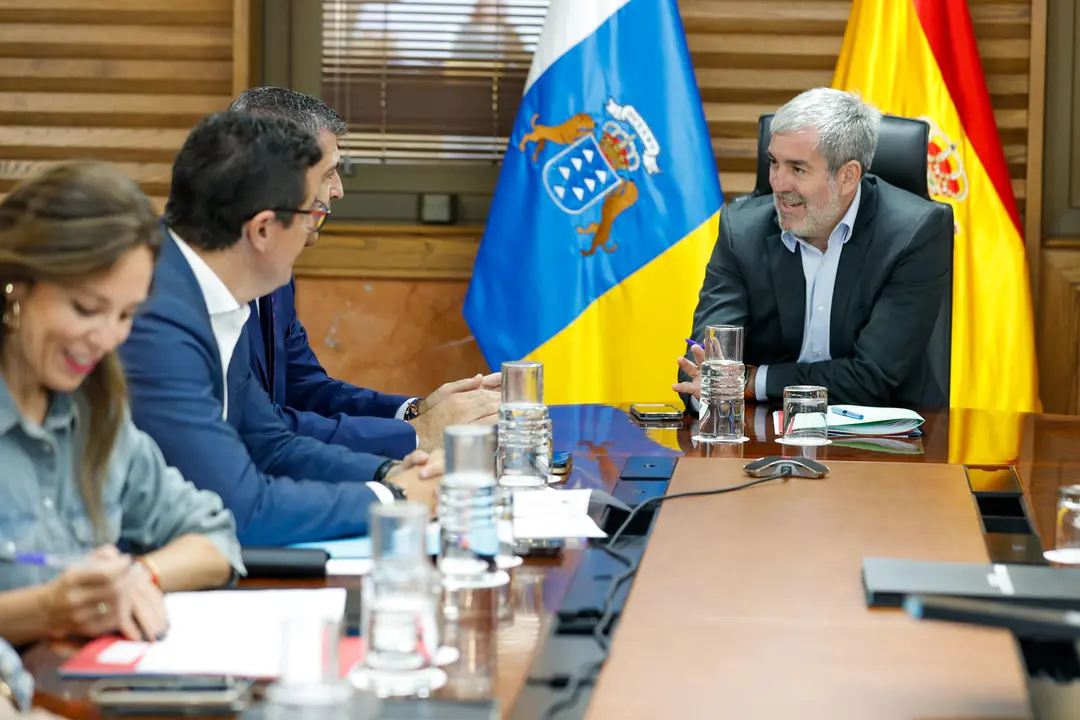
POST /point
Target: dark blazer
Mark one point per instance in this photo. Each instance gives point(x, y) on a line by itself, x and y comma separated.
point(893, 275)
point(281, 487)
point(309, 401)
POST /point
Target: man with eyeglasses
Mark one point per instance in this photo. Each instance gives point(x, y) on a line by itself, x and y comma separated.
point(243, 204)
point(309, 401)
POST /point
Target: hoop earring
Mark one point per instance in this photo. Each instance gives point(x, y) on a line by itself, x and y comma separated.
point(10, 317)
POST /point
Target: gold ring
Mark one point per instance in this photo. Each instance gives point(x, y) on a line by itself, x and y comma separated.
point(102, 608)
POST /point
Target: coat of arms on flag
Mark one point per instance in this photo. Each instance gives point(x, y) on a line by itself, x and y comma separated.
point(597, 165)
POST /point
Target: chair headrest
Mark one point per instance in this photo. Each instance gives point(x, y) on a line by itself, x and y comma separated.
point(900, 158)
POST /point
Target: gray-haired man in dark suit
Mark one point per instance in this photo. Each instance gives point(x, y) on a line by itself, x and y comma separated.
point(837, 277)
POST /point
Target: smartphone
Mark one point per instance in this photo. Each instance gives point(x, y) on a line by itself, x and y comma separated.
point(210, 695)
point(540, 547)
point(655, 412)
point(562, 462)
point(791, 466)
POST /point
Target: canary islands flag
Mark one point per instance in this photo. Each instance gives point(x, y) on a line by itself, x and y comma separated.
point(918, 58)
point(606, 210)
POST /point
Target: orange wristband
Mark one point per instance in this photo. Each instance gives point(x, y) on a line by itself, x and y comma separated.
point(151, 567)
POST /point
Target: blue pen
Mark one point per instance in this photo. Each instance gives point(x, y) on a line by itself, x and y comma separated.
point(695, 342)
point(848, 413)
point(9, 554)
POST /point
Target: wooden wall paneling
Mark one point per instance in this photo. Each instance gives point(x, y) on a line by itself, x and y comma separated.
point(1058, 298)
point(1062, 183)
point(436, 252)
point(1058, 333)
point(241, 46)
point(750, 58)
point(116, 80)
point(1034, 170)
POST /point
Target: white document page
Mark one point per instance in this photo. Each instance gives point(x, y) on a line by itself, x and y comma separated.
point(234, 632)
point(551, 513)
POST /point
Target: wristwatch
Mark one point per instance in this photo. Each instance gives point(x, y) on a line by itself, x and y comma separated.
point(412, 409)
point(380, 477)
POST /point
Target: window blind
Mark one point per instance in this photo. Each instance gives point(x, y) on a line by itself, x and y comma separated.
point(428, 81)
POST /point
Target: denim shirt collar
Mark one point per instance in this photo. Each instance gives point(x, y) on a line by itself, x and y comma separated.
point(61, 414)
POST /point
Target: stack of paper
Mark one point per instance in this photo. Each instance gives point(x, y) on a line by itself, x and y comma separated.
point(857, 420)
point(873, 421)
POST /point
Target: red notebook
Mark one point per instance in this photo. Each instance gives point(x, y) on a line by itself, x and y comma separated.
point(111, 656)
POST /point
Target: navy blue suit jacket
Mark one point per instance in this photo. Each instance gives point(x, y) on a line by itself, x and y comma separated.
point(281, 487)
point(308, 400)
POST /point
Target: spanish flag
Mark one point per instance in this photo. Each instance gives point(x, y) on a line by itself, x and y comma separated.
point(918, 58)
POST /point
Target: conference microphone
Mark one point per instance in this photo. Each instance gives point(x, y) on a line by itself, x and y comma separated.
point(1023, 621)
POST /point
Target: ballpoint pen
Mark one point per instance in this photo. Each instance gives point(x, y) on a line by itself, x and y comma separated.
point(848, 413)
point(9, 554)
point(695, 342)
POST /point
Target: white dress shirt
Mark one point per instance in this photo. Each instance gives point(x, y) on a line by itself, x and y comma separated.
point(227, 319)
point(227, 315)
point(819, 269)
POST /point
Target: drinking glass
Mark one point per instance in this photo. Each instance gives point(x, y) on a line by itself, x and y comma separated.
point(309, 683)
point(722, 403)
point(806, 420)
point(398, 533)
point(522, 382)
point(724, 343)
point(1067, 541)
point(524, 454)
point(399, 617)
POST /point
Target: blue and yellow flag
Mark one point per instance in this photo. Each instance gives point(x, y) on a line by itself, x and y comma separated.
point(606, 211)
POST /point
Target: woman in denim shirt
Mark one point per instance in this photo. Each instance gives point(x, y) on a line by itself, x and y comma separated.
point(77, 248)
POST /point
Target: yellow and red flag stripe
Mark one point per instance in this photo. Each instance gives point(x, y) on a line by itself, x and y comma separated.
point(918, 58)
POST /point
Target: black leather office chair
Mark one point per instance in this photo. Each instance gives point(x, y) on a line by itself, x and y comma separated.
point(900, 160)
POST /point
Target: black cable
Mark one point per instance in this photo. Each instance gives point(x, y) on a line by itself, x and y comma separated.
point(586, 675)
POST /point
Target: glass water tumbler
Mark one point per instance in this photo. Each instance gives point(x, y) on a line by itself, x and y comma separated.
point(468, 505)
point(399, 614)
point(309, 683)
point(524, 456)
point(806, 415)
point(1067, 536)
point(722, 403)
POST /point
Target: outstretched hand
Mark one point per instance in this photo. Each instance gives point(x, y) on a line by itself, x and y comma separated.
point(693, 387)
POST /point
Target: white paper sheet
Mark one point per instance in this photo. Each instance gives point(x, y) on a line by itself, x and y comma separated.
point(550, 513)
point(233, 632)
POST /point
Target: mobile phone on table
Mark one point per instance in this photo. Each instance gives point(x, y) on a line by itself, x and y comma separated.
point(201, 695)
point(655, 412)
point(562, 462)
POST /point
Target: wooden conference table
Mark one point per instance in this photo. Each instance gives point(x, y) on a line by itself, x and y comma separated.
point(749, 604)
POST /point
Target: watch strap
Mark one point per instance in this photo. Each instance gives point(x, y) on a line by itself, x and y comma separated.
point(397, 490)
point(412, 408)
point(380, 477)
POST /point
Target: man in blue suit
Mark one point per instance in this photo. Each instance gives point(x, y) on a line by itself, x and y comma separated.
point(309, 401)
point(242, 206)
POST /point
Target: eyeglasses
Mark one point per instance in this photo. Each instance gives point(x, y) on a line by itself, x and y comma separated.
point(318, 214)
